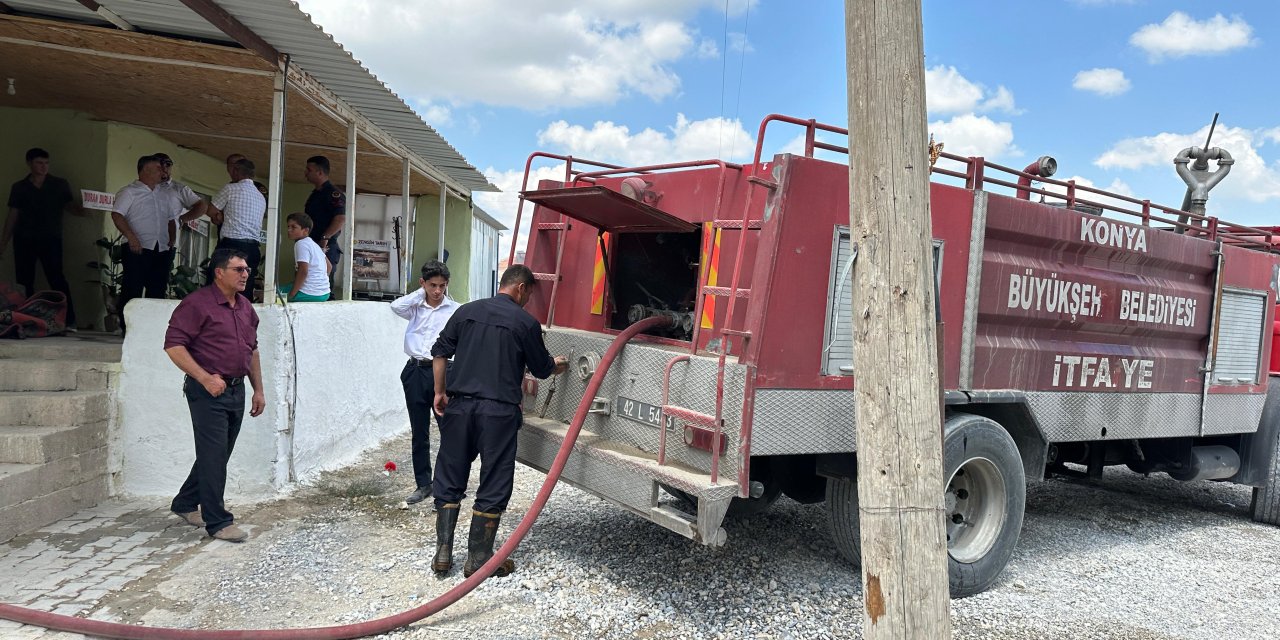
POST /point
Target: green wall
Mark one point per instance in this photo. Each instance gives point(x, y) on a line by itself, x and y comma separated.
point(457, 239)
point(97, 155)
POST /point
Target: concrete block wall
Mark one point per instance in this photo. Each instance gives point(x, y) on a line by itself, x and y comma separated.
point(56, 402)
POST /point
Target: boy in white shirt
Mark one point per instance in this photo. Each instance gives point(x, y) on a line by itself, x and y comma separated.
point(427, 308)
point(311, 284)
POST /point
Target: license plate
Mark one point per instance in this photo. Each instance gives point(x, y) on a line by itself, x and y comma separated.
point(639, 411)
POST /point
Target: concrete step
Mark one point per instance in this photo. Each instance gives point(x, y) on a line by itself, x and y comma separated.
point(29, 515)
point(53, 409)
point(28, 444)
point(23, 482)
point(25, 374)
point(85, 346)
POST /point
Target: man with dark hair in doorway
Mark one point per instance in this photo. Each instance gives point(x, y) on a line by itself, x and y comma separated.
point(36, 205)
point(213, 339)
point(186, 203)
point(327, 206)
point(144, 215)
point(427, 309)
point(238, 207)
point(495, 339)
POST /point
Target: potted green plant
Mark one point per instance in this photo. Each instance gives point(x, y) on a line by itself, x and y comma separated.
point(184, 279)
point(110, 277)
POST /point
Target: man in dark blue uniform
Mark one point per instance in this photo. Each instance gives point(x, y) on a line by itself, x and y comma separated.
point(327, 207)
point(495, 340)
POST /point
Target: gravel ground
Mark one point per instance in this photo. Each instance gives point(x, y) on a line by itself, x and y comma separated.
point(1127, 557)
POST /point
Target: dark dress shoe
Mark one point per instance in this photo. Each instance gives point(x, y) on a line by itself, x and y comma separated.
point(418, 496)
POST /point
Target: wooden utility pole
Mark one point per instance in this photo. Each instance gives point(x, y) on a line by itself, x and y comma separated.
point(900, 493)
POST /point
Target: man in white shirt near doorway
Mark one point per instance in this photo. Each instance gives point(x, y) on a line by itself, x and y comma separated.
point(427, 309)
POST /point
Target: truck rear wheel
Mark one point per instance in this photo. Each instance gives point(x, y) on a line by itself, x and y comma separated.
point(985, 495)
point(1266, 498)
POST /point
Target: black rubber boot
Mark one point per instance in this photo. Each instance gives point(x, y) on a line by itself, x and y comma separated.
point(446, 522)
point(484, 530)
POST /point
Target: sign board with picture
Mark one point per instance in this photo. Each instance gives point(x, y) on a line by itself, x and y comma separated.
point(371, 259)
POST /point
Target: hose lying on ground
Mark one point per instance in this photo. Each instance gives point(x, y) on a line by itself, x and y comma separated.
point(103, 629)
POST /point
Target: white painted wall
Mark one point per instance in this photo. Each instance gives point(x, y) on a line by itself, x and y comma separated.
point(348, 361)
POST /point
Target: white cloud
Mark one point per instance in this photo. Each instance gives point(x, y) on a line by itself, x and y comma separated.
point(1103, 81)
point(1252, 178)
point(707, 49)
point(686, 140)
point(534, 54)
point(502, 206)
point(948, 92)
point(1181, 35)
point(973, 135)
point(436, 115)
point(738, 43)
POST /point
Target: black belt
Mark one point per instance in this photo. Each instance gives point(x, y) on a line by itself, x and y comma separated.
point(240, 241)
point(423, 362)
point(232, 381)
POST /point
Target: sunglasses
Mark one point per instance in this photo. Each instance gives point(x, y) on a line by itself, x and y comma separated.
point(237, 269)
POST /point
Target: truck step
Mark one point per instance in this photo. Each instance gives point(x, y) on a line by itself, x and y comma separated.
point(691, 416)
point(725, 292)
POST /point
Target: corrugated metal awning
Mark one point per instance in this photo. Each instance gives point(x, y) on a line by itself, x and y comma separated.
point(283, 25)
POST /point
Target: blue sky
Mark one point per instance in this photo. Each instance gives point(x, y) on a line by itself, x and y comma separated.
point(1111, 88)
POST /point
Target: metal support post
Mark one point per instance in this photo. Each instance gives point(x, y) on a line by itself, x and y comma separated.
point(444, 195)
point(349, 227)
point(274, 188)
point(406, 235)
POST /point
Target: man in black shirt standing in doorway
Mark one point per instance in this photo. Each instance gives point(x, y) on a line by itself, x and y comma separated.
point(327, 206)
point(495, 340)
point(36, 204)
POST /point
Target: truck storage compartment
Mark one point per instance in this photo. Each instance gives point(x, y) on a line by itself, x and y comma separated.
point(654, 274)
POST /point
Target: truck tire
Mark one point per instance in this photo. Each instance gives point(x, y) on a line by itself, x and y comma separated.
point(842, 515)
point(986, 493)
point(1265, 507)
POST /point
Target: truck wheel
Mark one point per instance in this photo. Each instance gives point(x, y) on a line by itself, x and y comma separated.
point(842, 515)
point(1266, 498)
point(986, 491)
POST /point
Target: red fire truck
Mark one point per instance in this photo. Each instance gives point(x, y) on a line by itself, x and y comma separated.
point(1079, 329)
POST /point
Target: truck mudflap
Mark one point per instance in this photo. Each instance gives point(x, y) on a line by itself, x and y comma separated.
point(630, 478)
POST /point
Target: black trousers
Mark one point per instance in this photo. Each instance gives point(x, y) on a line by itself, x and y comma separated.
point(48, 252)
point(250, 248)
point(216, 423)
point(471, 427)
point(419, 394)
point(144, 272)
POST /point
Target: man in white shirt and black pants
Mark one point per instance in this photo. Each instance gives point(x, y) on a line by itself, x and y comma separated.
point(427, 309)
point(146, 217)
point(239, 208)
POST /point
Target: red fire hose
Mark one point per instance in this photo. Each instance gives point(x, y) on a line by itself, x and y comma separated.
point(104, 629)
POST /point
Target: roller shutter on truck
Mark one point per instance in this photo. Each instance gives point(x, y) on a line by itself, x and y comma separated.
point(1240, 327)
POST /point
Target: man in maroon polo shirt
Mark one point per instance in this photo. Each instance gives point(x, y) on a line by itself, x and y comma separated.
point(213, 338)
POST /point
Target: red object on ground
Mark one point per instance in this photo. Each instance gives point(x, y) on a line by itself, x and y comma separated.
point(389, 466)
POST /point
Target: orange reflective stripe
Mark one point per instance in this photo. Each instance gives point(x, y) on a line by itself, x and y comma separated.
point(713, 268)
point(597, 280)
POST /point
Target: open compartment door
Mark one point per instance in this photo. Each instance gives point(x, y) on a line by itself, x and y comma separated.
point(608, 210)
